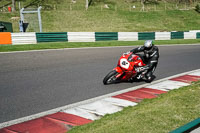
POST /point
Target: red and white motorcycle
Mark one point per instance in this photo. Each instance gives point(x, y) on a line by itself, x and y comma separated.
point(127, 68)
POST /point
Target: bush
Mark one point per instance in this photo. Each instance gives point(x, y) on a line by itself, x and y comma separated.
point(198, 8)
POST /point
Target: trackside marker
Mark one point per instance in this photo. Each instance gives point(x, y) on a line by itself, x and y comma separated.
point(136, 95)
point(69, 118)
point(40, 125)
point(186, 78)
point(101, 108)
point(168, 85)
point(129, 98)
point(82, 113)
point(58, 122)
point(6, 131)
point(119, 102)
point(152, 91)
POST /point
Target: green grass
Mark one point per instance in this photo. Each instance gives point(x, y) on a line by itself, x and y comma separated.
point(161, 21)
point(160, 115)
point(116, 21)
point(68, 17)
point(59, 45)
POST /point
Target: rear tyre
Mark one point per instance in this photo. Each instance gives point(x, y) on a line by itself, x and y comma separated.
point(110, 77)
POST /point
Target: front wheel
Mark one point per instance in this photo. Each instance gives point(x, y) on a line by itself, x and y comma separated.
point(110, 77)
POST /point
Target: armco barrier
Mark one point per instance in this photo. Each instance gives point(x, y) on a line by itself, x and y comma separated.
point(127, 36)
point(198, 35)
point(23, 38)
point(5, 38)
point(194, 31)
point(162, 36)
point(146, 36)
point(105, 36)
point(33, 38)
point(52, 37)
point(81, 36)
point(189, 35)
point(191, 127)
point(177, 35)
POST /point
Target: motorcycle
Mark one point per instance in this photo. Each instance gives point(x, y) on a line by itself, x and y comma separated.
point(127, 68)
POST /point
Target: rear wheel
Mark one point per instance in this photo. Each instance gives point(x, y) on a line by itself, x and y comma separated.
point(110, 77)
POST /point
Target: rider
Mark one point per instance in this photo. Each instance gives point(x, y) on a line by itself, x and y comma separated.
point(151, 55)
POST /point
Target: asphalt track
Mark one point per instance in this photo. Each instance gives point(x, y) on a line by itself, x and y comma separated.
point(33, 82)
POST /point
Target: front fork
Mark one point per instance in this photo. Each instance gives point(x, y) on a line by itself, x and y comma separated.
point(119, 70)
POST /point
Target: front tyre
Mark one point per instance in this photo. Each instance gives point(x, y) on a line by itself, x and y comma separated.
point(110, 77)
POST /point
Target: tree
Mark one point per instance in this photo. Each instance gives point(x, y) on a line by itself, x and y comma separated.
point(142, 3)
point(13, 6)
point(86, 5)
point(186, 1)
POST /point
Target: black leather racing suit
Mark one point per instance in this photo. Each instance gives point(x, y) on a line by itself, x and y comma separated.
point(150, 58)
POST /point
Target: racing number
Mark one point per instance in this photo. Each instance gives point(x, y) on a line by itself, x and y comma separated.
point(124, 63)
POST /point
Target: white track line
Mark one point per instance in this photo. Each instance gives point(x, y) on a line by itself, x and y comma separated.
point(46, 50)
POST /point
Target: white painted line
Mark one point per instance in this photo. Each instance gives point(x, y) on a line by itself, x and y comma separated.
point(82, 113)
point(34, 116)
point(101, 108)
point(195, 73)
point(119, 102)
point(47, 50)
point(168, 85)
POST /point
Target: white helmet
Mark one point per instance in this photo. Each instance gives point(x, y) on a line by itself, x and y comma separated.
point(148, 44)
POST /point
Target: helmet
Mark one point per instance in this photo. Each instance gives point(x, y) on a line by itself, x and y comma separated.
point(148, 44)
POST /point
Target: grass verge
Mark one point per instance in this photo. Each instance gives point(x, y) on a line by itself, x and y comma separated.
point(160, 115)
point(60, 45)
